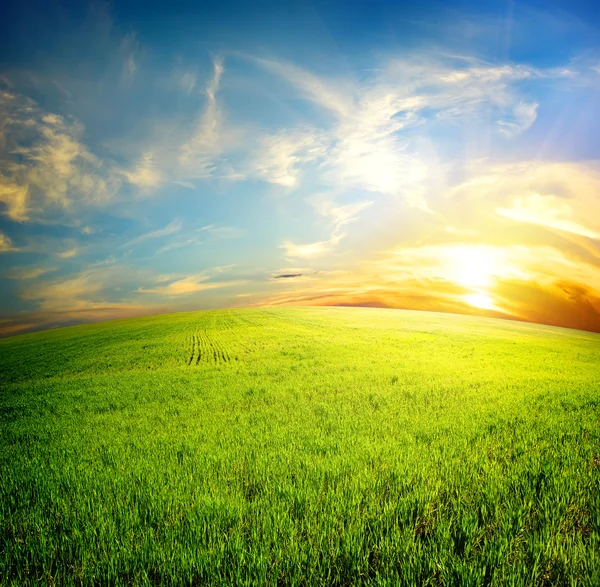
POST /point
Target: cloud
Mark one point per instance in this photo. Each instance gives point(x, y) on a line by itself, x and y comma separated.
point(449, 277)
point(89, 289)
point(145, 174)
point(571, 305)
point(370, 142)
point(524, 115)
point(14, 197)
point(287, 275)
point(549, 211)
point(380, 141)
point(84, 296)
point(339, 216)
point(188, 285)
point(197, 153)
point(80, 314)
point(47, 169)
point(187, 81)
point(129, 50)
point(310, 250)
point(44, 164)
point(326, 94)
point(228, 232)
point(193, 145)
point(557, 196)
point(461, 231)
point(179, 243)
point(172, 228)
point(476, 266)
point(30, 272)
point(280, 158)
point(195, 237)
point(66, 294)
point(6, 245)
point(68, 254)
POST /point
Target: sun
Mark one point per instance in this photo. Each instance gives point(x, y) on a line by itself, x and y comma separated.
point(479, 300)
point(473, 267)
point(476, 269)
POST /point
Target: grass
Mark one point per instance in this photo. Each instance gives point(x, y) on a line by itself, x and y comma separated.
point(300, 446)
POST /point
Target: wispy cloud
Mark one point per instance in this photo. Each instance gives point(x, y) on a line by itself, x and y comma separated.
point(187, 81)
point(129, 51)
point(367, 146)
point(196, 154)
point(200, 235)
point(222, 231)
point(172, 228)
point(145, 173)
point(524, 115)
point(280, 158)
point(339, 216)
point(328, 95)
point(310, 250)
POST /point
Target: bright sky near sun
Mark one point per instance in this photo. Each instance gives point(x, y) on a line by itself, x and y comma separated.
point(164, 156)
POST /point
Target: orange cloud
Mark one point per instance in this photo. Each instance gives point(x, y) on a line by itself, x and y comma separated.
point(83, 313)
point(520, 282)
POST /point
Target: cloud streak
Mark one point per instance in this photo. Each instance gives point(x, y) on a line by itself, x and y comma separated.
point(187, 286)
point(196, 155)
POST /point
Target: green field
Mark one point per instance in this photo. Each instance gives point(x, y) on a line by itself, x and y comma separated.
point(301, 446)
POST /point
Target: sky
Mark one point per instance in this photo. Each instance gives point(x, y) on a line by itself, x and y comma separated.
point(159, 157)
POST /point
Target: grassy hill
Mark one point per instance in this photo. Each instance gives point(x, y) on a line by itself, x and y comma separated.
point(301, 446)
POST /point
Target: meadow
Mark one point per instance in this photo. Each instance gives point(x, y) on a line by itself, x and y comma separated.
point(300, 446)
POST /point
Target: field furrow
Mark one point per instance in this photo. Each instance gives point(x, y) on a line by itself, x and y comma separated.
point(193, 352)
point(208, 349)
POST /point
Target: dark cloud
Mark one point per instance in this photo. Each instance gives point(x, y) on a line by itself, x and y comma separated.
point(287, 275)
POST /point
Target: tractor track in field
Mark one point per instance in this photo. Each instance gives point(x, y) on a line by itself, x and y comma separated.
point(194, 343)
point(207, 348)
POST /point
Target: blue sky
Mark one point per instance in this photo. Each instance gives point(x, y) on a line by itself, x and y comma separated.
point(175, 156)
